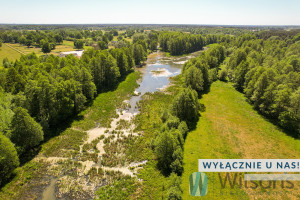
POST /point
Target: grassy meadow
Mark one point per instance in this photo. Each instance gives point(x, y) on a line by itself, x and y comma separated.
point(14, 53)
point(7, 52)
point(229, 128)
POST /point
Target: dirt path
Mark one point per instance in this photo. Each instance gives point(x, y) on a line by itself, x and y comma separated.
point(17, 50)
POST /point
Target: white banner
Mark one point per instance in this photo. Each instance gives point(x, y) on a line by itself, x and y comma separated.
point(249, 165)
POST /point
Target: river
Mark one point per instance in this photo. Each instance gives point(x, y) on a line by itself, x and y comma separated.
point(155, 76)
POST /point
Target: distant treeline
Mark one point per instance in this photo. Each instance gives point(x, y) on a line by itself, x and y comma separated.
point(193, 28)
point(178, 43)
point(47, 40)
point(54, 37)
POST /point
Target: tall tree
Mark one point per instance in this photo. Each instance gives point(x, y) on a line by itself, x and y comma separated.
point(8, 158)
point(139, 54)
point(46, 47)
point(78, 44)
point(193, 77)
point(25, 132)
point(186, 106)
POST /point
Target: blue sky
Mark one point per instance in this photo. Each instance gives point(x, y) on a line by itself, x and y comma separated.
point(226, 12)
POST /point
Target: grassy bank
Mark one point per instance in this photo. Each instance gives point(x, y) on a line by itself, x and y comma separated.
point(230, 128)
point(104, 106)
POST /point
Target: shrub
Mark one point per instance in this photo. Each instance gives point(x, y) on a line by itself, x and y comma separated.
point(223, 75)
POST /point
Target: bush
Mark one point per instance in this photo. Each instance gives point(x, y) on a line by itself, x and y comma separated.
point(183, 128)
point(173, 122)
point(213, 75)
point(8, 158)
point(223, 75)
point(174, 191)
point(176, 166)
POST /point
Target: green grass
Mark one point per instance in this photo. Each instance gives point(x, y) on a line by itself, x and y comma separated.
point(104, 106)
point(13, 55)
point(229, 128)
point(168, 54)
point(27, 50)
point(7, 52)
point(69, 141)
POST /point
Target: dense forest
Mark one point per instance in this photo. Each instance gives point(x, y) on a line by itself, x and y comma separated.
point(39, 94)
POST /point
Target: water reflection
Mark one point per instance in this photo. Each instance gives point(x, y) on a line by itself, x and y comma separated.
point(156, 74)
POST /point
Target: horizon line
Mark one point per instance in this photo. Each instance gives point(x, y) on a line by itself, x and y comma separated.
point(148, 24)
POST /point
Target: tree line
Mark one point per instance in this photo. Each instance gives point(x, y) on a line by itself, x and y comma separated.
point(178, 43)
point(267, 71)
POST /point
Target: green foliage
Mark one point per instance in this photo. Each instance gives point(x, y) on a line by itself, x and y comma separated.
point(174, 189)
point(172, 122)
point(120, 189)
point(164, 148)
point(105, 104)
point(6, 112)
point(25, 132)
point(178, 43)
point(222, 75)
point(213, 75)
point(193, 77)
point(78, 44)
point(201, 71)
point(8, 158)
point(102, 45)
point(183, 128)
point(186, 106)
point(139, 53)
point(46, 47)
point(269, 78)
point(70, 140)
point(104, 71)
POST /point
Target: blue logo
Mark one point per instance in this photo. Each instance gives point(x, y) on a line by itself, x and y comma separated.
point(198, 184)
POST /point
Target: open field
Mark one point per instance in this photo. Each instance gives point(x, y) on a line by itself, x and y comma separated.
point(14, 53)
point(7, 52)
point(27, 50)
point(229, 128)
